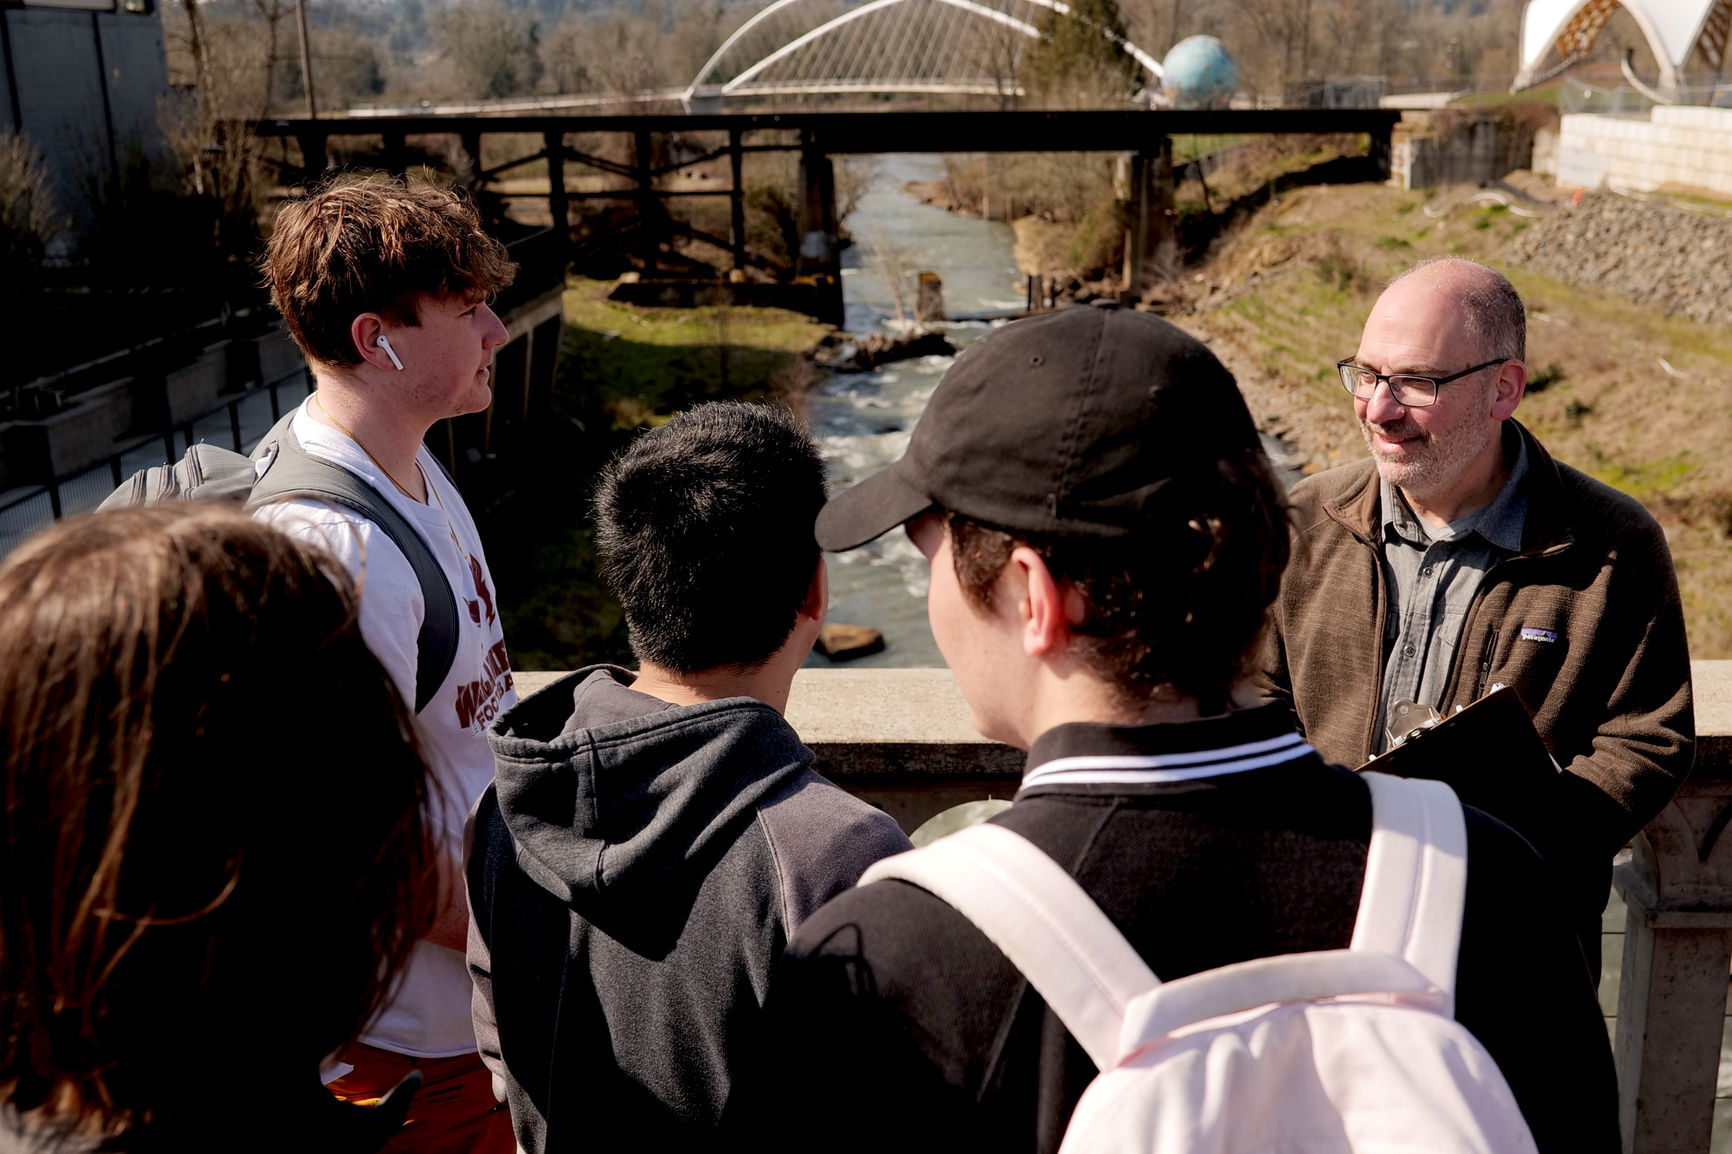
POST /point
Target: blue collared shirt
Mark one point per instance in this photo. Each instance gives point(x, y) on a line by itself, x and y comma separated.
point(1432, 574)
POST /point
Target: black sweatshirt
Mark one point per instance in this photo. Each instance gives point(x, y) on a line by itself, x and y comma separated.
point(895, 1024)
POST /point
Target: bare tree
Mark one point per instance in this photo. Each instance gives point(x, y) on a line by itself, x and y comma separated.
point(489, 47)
point(29, 218)
point(565, 56)
point(271, 13)
point(888, 262)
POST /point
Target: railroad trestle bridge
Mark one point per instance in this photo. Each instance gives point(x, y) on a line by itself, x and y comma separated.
point(1144, 135)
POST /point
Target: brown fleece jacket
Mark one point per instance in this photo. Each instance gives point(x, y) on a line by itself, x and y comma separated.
point(1585, 624)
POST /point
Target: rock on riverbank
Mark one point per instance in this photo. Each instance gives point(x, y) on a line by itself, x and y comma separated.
point(1656, 252)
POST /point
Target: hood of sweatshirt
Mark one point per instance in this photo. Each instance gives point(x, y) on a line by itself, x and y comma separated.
point(613, 796)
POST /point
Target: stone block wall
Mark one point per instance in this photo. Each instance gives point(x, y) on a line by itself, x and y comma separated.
point(1681, 145)
point(1429, 149)
point(278, 356)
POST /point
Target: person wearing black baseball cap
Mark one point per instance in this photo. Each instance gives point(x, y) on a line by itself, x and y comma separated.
point(1105, 534)
point(1067, 444)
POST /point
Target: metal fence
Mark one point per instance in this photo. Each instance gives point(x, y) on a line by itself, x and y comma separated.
point(238, 424)
point(1627, 101)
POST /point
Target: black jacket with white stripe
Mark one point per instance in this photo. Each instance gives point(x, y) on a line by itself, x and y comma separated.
point(897, 1025)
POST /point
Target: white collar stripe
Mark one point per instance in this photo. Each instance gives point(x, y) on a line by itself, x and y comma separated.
point(1133, 769)
point(1164, 760)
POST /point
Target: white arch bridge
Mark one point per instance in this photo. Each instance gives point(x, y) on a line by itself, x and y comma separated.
point(962, 47)
point(1679, 33)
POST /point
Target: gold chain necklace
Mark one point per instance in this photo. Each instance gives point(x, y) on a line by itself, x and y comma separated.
point(350, 433)
point(462, 553)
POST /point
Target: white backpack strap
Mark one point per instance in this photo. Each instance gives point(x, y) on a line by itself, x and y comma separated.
point(1415, 877)
point(1045, 923)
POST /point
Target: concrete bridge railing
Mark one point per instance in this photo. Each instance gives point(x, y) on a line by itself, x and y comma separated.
point(901, 738)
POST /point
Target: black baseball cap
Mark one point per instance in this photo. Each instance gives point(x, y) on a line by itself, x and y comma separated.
point(1067, 422)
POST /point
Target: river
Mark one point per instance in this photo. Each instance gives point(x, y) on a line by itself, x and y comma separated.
point(863, 420)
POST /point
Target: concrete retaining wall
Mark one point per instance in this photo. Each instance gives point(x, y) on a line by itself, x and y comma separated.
point(903, 738)
point(96, 420)
point(278, 356)
point(1680, 145)
point(86, 430)
point(1423, 157)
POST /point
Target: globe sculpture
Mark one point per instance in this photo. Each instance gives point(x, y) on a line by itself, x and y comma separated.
point(1200, 73)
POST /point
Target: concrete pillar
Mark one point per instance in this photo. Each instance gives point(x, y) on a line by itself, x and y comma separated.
point(470, 142)
point(648, 206)
point(544, 370)
point(929, 305)
point(1380, 146)
point(1149, 245)
point(558, 202)
point(820, 255)
point(1671, 79)
point(1677, 946)
point(526, 385)
point(737, 199)
point(315, 152)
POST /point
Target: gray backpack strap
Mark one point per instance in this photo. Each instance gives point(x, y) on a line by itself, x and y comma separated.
point(291, 471)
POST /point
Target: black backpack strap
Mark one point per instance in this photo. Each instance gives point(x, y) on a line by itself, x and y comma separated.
point(293, 472)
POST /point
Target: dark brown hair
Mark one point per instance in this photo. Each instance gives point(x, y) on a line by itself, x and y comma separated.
point(1174, 608)
point(214, 837)
point(373, 244)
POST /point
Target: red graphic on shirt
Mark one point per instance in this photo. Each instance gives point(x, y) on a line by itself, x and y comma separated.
point(478, 701)
point(483, 592)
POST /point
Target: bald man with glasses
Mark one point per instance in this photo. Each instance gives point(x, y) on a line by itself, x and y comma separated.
point(1460, 557)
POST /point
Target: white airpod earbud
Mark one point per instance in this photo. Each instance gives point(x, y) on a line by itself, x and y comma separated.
point(384, 342)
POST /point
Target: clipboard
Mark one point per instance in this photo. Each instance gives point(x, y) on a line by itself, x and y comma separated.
point(1491, 755)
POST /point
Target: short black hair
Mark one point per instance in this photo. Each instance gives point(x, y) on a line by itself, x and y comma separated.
point(705, 534)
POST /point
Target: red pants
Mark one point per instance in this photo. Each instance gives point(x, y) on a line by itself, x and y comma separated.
point(454, 1111)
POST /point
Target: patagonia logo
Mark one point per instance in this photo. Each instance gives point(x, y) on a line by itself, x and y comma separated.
point(1539, 635)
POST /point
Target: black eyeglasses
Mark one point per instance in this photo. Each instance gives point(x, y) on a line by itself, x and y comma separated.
point(1410, 390)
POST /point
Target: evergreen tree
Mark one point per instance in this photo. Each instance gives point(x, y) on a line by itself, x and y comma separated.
point(1080, 60)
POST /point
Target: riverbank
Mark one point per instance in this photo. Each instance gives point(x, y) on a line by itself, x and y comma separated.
point(622, 368)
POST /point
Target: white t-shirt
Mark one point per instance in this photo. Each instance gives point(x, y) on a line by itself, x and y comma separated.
point(429, 1014)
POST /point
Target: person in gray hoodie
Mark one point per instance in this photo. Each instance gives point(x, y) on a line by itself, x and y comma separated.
point(652, 840)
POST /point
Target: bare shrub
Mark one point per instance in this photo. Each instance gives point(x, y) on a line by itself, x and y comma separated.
point(791, 380)
point(29, 217)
